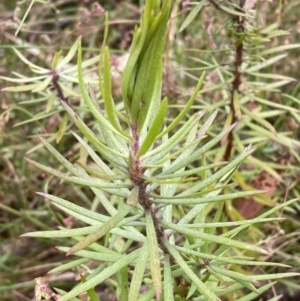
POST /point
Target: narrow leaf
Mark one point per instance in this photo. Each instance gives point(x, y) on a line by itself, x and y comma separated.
point(138, 274)
point(153, 250)
point(191, 16)
point(70, 55)
point(89, 101)
point(154, 129)
point(91, 292)
point(105, 86)
point(168, 280)
point(101, 231)
point(202, 288)
point(214, 238)
point(102, 276)
point(185, 109)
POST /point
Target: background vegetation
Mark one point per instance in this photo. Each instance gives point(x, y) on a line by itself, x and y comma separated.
point(55, 25)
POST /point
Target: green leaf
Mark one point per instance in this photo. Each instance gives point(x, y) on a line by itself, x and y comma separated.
point(102, 276)
point(256, 117)
point(265, 214)
point(91, 292)
point(101, 231)
point(272, 76)
point(62, 128)
point(213, 238)
point(35, 68)
point(22, 80)
point(280, 138)
point(275, 105)
point(69, 56)
point(279, 48)
point(202, 288)
point(191, 16)
point(138, 274)
point(22, 88)
point(105, 86)
point(265, 63)
point(129, 73)
point(62, 233)
point(233, 275)
point(223, 175)
point(227, 260)
point(124, 284)
point(168, 280)
point(185, 109)
point(89, 101)
point(154, 129)
point(194, 200)
point(69, 265)
point(223, 272)
point(150, 70)
point(86, 181)
point(57, 56)
point(154, 259)
point(98, 256)
point(274, 276)
point(36, 118)
point(198, 153)
point(111, 155)
point(192, 171)
point(133, 198)
point(260, 290)
point(163, 149)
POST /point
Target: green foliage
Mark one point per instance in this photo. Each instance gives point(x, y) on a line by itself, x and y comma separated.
point(161, 184)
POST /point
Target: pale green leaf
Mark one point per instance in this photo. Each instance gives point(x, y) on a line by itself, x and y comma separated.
point(138, 274)
point(199, 152)
point(227, 260)
point(56, 57)
point(69, 56)
point(168, 280)
point(30, 64)
point(154, 259)
point(163, 149)
point(213, 238)
point(88, 100)
point(102, 276)
point(23, 80)
point(202, 288)
point(21, 88)
point(69, 265)
point(265, 214)
point(111, 155)
point(191, 16)
point(62, 128)
point(187, 200)
point(94, 255)
point(101, 231)
point(279, 48)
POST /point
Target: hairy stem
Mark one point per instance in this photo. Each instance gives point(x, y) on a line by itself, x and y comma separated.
point(136, 175)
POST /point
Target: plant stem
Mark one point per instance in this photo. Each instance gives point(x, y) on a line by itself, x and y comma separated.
point(136, 175)
point(239, 21)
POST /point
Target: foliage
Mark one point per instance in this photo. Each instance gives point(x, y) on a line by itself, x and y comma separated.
point(143, 167)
